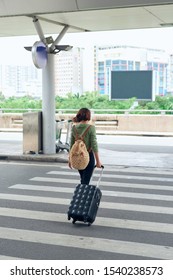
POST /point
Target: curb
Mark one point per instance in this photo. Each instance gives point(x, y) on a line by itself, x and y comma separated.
point(38, 158)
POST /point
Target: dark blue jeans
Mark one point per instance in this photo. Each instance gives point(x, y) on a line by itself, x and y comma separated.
point(86, 174)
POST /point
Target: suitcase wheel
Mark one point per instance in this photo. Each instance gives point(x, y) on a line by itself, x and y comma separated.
point(73, 221)
point(89, 224)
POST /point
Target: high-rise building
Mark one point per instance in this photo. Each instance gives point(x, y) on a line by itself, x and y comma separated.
point(170, 85)
point(81, 70)
point(69, 72)
point(17, 80)
point(128, 58)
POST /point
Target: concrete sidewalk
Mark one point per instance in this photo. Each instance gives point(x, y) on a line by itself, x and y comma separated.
point(14, 151)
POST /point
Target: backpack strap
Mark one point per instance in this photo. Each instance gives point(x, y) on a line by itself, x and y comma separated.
point(85, 132)
point(77, 136)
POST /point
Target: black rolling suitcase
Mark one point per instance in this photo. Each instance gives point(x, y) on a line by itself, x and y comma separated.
point(85, 203)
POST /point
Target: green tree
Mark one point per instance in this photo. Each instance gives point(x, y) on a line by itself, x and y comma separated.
point(92, 100)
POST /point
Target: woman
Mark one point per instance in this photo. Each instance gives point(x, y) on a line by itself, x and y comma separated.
point(82, 118)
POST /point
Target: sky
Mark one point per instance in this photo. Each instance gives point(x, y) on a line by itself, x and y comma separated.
point(12, 48)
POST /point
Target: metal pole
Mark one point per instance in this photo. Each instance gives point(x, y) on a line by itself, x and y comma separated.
point(48, 107)
point(60, 36)
point(48, 92)
point(39, 29)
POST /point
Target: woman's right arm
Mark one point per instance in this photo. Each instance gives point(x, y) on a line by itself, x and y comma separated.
point(94, 145)
point(98, 162)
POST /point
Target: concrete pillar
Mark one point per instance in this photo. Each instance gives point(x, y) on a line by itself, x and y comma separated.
point(48, 106)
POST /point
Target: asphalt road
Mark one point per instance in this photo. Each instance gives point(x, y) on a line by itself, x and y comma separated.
point(123, 143)
point(150, 144)
point(138, 148)
point(134, 220)
point(117, 150)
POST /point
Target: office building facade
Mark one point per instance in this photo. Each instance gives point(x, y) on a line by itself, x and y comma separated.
point(127, 58)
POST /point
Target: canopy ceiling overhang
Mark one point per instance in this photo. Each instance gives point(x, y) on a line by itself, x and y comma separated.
point(82, 15)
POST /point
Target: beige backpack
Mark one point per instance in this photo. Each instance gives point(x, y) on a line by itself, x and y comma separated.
point(78, 155)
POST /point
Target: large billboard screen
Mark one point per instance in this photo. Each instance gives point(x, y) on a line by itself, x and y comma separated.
point(128, 84)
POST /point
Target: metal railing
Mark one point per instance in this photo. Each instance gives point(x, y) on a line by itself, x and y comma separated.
point(11, 110)
point(94, 111)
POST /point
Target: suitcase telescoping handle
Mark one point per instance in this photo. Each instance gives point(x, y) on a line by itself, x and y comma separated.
point(101, 173)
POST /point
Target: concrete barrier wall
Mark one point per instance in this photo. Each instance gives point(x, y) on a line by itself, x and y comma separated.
point(150, 123)
point(114, 122)
point(11, 120)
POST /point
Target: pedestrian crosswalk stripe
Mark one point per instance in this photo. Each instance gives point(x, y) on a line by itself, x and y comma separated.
point(105, 193)
point(114, 176)
point(105, 205)
point(2, 257)
point(122, 169)
point(109, 168)
point(88, 243)
point(136, 170)
point(100, 221)
point(104, 183)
